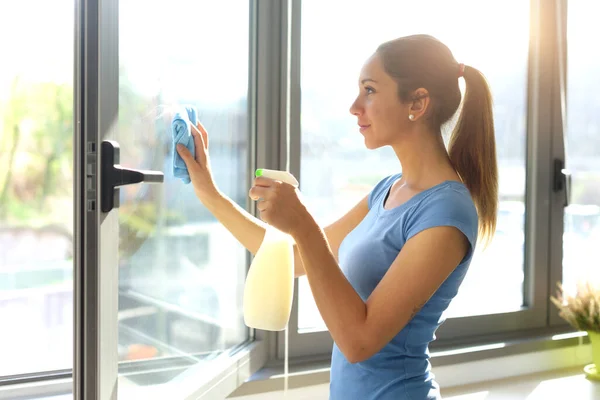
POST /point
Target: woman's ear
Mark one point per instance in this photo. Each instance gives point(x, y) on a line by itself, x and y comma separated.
point(420, 103)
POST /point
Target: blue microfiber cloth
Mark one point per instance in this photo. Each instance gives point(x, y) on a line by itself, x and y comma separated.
point(182, 133)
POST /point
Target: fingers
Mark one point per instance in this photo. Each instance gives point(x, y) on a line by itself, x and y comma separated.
point(264, 182)
point(258, 192)
point(185, 155)
point(204, 133)
point(263, 205)
point(265, 188)
point(199, 145)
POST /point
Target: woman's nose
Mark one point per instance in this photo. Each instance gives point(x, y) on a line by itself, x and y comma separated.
point(355, 108)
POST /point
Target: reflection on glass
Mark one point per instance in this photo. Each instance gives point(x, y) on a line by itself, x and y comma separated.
point(330, 139)
point(582, 218)
point(36, 186)
point(181, 273)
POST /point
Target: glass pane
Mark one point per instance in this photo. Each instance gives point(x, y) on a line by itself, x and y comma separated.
point(36, 186)
point(582, 217)
point(181, 273)
point(331, 141)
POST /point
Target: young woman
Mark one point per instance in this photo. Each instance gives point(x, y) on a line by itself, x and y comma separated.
point(384, 273)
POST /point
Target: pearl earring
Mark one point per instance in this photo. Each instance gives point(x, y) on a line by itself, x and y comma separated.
point(411, 117)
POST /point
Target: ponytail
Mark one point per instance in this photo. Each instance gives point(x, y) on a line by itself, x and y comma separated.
point(472, 150)
point(422, 61)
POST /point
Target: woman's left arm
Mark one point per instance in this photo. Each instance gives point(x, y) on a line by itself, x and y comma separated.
point(361, 329)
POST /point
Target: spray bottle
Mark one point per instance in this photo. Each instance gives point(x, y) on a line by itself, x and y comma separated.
point(269, 287)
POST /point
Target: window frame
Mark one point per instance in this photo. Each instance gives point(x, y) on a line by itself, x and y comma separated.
point(544, 213)
point(228, 371)
point(275, 142)
point(559, 137)
point(264, 150)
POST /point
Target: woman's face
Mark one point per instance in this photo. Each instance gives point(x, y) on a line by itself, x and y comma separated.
point(381, 115)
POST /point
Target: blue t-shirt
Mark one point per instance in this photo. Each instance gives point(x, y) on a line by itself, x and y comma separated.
point(401, 370)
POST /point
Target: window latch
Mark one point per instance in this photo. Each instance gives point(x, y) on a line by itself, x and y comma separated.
point(562, 180)
point(114, 175)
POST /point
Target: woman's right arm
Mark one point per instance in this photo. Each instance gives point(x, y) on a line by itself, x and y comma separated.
point(250, 231)
point(246, 228)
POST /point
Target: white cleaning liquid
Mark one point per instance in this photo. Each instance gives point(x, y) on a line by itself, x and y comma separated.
point(269, 287)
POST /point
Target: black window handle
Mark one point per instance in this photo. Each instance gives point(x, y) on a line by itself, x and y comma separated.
point(562, 180)
point(114, 175)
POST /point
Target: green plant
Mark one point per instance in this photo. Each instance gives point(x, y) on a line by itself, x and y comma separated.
point(581, 310)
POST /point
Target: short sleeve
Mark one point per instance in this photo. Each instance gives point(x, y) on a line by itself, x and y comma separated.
point(446, 207)
point(381, 188)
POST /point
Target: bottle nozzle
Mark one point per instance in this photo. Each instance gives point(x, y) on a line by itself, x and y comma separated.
point(282, 176)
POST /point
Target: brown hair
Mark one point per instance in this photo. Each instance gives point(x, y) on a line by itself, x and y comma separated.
point(422, 61)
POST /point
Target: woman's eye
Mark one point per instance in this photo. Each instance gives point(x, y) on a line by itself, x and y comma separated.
point(369, 89)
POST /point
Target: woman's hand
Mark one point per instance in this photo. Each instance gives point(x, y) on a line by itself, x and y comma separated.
point(199, 168)
point(280, 205)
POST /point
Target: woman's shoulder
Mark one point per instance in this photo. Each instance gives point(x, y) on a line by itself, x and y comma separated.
point(451, 199)
point(450, 203)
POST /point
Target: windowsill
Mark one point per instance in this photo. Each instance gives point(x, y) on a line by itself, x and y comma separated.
point(200, 380)
point(541, 353)
point(458, 366)
point(566, 383)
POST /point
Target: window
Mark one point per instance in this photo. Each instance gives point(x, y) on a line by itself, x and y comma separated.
point(36, 181)
point(181, 272)
point(582, 216)
point(330, 138)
